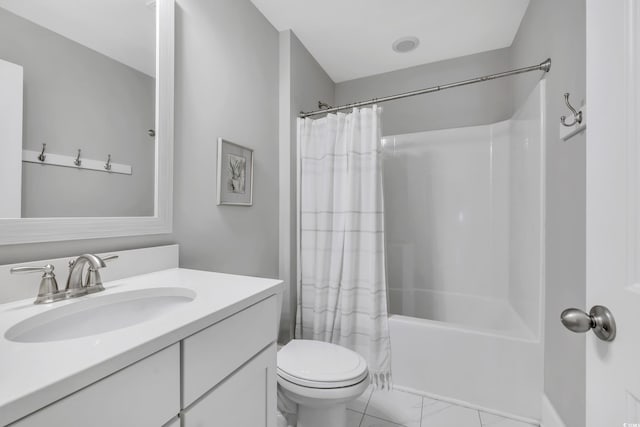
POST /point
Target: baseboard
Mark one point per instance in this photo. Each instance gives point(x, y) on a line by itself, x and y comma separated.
point(471, 406)
point(550, 417)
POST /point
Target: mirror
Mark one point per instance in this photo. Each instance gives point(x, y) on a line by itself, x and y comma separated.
point(86, 118)
point(87, 96)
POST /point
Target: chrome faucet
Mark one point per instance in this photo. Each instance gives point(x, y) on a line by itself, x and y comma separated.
point(75, 287)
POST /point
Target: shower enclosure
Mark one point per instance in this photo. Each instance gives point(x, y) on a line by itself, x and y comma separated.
point(464, 236)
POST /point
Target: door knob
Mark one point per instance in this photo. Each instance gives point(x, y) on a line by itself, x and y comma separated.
point(599, 319)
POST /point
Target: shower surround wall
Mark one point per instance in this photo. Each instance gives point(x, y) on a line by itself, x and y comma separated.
point(464, 231)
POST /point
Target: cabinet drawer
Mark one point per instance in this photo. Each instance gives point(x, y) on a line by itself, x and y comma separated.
point(245, 399)
point(212, 354)
point(146, 393)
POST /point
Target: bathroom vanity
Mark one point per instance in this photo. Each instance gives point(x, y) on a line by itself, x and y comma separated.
point(175, 347)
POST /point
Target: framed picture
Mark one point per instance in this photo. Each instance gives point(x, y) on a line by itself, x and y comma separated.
point(235, 174)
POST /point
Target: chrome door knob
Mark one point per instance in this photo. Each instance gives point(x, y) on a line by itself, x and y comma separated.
point(599, 319)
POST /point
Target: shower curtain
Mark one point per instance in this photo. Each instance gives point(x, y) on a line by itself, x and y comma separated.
point(342, 291)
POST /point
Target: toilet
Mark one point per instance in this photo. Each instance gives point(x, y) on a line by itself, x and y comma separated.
point(321, 378)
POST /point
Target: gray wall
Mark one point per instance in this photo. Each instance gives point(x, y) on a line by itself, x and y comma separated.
point(465, 106)
point(75, 97)
point(557, 29)
point(303, 83)
point(226, 85)
point(310, 83)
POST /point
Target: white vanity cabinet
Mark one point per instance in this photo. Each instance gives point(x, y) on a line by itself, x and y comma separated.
point(146, 393)
point(223, 375)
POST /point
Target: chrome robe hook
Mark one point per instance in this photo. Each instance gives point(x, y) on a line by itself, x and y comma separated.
point(77, 161)
point(577, 115)
point(42, 157)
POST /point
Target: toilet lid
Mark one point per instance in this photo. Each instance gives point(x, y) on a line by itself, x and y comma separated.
point(321, 365)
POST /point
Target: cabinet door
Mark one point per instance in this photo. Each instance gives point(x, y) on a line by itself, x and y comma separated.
point(146, 393)
point(214, 353)
point(245, 399)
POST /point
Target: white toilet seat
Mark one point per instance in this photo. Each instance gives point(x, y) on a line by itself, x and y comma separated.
point(321, 378)
point(317, 364)
point(320, 397)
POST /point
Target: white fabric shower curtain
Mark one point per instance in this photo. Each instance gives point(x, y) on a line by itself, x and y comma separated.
point(342, 291)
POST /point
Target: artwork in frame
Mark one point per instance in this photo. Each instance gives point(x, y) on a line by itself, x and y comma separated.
point(235, 174)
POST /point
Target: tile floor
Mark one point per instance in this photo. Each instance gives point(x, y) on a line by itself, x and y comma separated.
point(401, 409)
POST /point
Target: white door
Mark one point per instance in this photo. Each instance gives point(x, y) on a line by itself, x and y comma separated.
point(613, 214)
point(10, 139)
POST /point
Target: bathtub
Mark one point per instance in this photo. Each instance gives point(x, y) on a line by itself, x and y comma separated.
point(470, 351)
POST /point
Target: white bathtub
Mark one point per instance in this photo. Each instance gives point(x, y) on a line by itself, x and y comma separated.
point(477, 353)
point(477, 313)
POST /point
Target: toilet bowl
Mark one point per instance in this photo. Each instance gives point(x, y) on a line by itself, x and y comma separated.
point(321, 378)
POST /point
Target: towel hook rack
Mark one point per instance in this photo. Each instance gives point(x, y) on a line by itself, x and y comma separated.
point(577, 115)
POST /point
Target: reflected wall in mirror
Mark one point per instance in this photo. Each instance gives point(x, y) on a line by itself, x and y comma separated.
point(79, 75)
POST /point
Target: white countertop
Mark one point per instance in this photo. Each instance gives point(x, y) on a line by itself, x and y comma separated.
point(33, 375)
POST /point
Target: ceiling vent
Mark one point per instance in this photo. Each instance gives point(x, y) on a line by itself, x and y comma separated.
point(405, 44)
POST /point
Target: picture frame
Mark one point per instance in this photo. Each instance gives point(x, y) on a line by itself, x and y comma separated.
point(235, 174)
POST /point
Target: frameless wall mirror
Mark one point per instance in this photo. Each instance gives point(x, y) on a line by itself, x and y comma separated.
point(86, 118)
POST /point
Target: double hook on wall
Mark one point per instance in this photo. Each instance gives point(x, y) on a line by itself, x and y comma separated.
point(577, 115)
point(575, 125)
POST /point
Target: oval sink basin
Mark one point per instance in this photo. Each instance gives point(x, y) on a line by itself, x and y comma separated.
point(98, 315)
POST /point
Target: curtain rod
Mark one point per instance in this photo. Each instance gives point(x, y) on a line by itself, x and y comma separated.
point(543, 66)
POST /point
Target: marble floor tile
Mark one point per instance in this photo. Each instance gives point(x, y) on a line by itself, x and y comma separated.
point(441, 414)
point(360, 404)
point(354, 418)
point(368, 421)
point(395, 406)
point(491, 420)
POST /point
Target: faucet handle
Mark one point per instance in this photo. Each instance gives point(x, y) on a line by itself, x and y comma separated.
point(48, 291)
point(93, 281)
point(47, 269)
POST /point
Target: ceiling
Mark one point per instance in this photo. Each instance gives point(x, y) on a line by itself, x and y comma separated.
point(120, 29)
point(353, 38)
